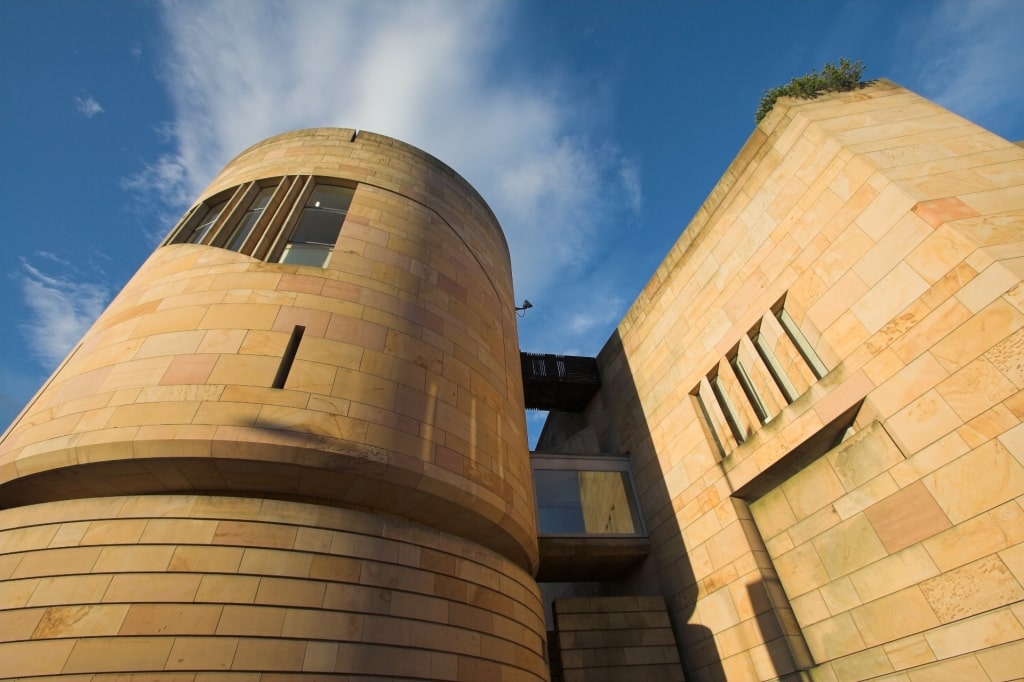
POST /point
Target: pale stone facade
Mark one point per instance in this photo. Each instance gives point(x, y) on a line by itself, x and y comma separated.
point(260, 470)
point(168, 508)
point(891, 233)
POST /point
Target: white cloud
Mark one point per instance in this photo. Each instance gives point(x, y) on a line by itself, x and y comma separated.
point(428, 73)
point(970, 58)
point(61, 310)
point(87, 106)
point(629, 172)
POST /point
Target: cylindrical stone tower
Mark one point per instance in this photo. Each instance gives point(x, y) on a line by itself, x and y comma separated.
point(294, 443)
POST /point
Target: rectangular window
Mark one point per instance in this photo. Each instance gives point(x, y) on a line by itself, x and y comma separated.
point(207, 223)
point(709, 423)
point(584, 496)
point(318, 228)
point(249, 220)
point(801, 343)
point(728, 409)
point(749, 389)
point(774, 367)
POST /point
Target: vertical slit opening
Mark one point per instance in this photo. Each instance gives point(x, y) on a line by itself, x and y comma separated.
point(712, 432)
point(749, 389)
point(803, 346)
point(776, 372)
point(728, 410)
point(289, 357)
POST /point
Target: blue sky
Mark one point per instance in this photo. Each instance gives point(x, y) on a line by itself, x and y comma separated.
point(595, 129)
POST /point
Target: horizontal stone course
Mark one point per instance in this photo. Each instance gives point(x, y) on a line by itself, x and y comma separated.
point(371, 582)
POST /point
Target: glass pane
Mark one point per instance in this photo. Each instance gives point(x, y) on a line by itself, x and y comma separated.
point(318, 227)
point(558, 502)
point(749, 389)
point(560, 520)
point(605, 502)
point(306, 254)
point(774, 368)
point(208, 220)
point(802, 344)
point(332, 198)
point(243, 230)
point(248, 221)
point(262, 199)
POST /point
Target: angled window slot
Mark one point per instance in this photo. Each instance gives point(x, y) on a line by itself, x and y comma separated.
point(289, 357)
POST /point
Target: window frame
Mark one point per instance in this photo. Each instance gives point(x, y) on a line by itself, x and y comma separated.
point(578, 463)
point(284, 240)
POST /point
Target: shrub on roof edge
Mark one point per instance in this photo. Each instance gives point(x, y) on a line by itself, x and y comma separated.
point(840, 77)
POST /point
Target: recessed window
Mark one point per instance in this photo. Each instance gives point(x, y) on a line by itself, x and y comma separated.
point(584, 496)
point(318, 228)
point(293, 219)
point(764, 349)
point(749, 389)
point(207, 222)
point(732, 417)
point(803, 346)
point(248, 221)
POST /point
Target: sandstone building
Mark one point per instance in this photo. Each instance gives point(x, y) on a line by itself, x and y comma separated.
point(293, 447)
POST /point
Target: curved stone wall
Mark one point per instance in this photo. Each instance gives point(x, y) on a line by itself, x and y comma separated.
point(404, 398)
point(174, 587)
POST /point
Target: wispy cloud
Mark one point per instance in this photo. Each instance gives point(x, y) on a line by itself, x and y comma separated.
point(87, 106)
point(969, 57)
point(436, 75)
point(61, 309)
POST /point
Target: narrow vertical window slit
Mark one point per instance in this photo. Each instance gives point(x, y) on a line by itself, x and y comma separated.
point(728, 410)
point(749, 389)
point(708, 422)
point(289, 357)
point(803, 346)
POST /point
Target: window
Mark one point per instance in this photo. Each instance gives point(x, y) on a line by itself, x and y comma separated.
point(732, 417)
point(208, 222)
point(775, 354)
point(248, 221)
point(291, 219)
point(319, 225)
point(749, 389)
point(764, 349)
point(801, 343)
point(584, 496)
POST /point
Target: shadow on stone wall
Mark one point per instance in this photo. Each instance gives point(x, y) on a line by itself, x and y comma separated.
point(667, 571)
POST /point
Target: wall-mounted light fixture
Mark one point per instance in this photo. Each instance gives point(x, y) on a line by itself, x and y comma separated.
point(523, 308)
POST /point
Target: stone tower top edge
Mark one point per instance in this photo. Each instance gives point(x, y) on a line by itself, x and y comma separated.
point(333, 136)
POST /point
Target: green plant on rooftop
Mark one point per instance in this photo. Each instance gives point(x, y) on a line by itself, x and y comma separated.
point(840, 77)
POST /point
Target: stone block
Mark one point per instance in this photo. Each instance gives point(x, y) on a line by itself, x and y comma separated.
point(72, 589)
point(978, 334)
point(976, 482)
point(202, 653)
point(1002, 662)
point(909, 652)
point(922, 422)
point(833, 637)
point(801, 570)
point(170, 619)
point(142, 587)
point(906, 517)
point(951, 670)
point(975, 388)
point(861, 665)
point(114, 654)
point(974, 634)
point(979, 586)
point(26, 659)
point(849, 546)
point(894, 572)
point(897, 615)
